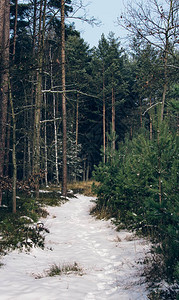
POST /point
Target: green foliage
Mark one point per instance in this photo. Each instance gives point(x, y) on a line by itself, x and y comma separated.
point(130, 188)
point(19, 230)
point(51, 198)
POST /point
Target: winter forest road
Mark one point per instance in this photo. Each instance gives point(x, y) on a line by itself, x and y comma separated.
point(108, 259)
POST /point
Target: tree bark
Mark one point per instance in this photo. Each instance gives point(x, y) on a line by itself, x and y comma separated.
point(54, 122)
point(14, 185)
point(77, 118)
point(165, 84)
point(8, 136)
point(113, 119)
point(45, 138)
point(104, 121)
point(87, 171)
point(159, 169)
point(151, 127)
point(84, 168)
point(167, 35)
point(64, 180)
point(4, 77)
point(38, 100)
point(15, 31)
point(140, 107)
point(34, 26)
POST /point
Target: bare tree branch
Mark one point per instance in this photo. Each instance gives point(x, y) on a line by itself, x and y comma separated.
point(69, 91)
point(151, 107)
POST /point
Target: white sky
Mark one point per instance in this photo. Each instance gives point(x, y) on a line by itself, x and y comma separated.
point(107, 12)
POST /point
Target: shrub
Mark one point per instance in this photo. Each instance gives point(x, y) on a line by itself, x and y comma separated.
point(139, 187)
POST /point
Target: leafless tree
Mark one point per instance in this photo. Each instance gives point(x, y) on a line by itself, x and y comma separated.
point(156, 22)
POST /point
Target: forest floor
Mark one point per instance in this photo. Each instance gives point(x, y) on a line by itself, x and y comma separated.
point(95, 261)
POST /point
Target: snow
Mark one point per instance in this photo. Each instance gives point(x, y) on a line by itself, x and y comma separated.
point(108, 259)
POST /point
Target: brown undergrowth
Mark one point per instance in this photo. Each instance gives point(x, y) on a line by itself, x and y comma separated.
point(82, 187)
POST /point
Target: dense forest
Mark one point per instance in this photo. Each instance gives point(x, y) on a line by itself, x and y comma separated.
point(71, 113)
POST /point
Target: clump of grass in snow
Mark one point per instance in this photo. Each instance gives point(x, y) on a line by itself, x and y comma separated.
point(117, 239)
point(58, 270)
point(65, 269)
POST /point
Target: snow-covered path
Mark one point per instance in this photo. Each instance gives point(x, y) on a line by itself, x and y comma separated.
point(107, 257)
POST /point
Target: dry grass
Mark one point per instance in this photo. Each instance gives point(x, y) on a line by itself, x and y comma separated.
point(117, 239)
point(130, 237)
point(82, 187)
point(58, 270)
point(100, 213)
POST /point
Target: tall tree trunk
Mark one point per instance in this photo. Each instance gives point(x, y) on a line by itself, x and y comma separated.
point(159, 167)
point(77, 118)
point(113, 119)
point(104, 121)
point(13, 153)
point(45, 138)
point(37, 130)
point(64, 180)
point(31, 137)
point(151, 126)
point(77, 126)
point(107, 138)
point(15, 31)
point(38, 100)
point(87, 171)
point(165, 84)
point(131, 132)
point(4, 77)
point(170, 17)
point(25, 140)
point(25, 159)
point(54, 122)
point(56, 140)
point(84, 168)
point(140, 107)
point(29, 169)
point(8, 144)
point(34, 26)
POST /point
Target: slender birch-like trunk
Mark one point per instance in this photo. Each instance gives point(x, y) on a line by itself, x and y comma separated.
point(45, 137)
point(113, 119)
point(165, 84)
point(14, 186)
point(104, 121)
point(54, 122)
point(151, 126)
point(56, 140)
point(77, 118)
point(64, 180)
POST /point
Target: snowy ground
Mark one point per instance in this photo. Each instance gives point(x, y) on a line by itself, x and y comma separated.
point(108, 259)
